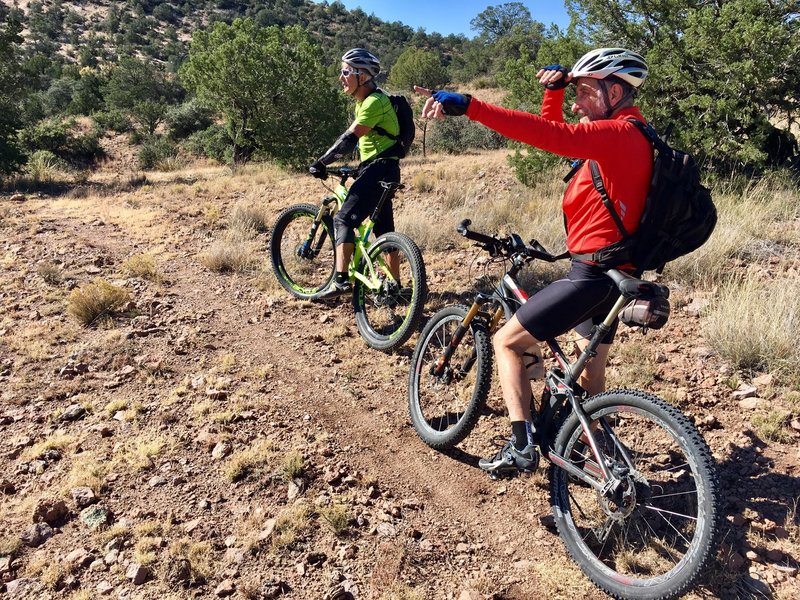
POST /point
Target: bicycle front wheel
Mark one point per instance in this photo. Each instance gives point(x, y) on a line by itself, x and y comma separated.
point(652, 536)
point(302, 251)
point(445, 407)
point(389, 314)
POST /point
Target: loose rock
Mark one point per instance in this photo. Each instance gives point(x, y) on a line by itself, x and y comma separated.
point(36, 535)
point(83, 496)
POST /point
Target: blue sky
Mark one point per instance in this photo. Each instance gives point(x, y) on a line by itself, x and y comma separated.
point(453, 16)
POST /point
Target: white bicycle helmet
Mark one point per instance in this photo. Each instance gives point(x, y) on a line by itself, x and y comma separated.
point(619, 62)
point(361, 59)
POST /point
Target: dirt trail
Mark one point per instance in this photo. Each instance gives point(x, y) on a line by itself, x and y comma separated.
point(211, 365)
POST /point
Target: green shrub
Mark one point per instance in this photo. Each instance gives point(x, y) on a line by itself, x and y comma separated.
point(456, 136)
point(156, 150)
point(113, 120)
point(43, 166)
point(531, 165)
point(212, 142)
point(57, 137)
point(188, 118)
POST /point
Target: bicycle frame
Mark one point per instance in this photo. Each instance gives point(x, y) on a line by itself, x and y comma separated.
point(560, 384)
point(331, 205)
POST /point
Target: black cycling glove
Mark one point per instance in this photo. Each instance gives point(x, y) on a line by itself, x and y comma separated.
point(318, 170)
point(453, 105)
point(559, 84)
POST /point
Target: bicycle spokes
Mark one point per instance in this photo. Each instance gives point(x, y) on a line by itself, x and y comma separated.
point(644, 524)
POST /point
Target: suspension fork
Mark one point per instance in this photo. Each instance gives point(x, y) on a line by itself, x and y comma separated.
point(459, 333)
point(323, 211)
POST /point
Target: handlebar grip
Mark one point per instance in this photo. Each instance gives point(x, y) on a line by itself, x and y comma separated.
point(481, 238)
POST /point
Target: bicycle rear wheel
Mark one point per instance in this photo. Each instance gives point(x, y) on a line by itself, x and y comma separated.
point(302, 252)
point(444, 408)
point(652, 537)
point(388, 316)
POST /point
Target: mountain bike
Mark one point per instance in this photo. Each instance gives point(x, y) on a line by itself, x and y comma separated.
point(388, 303)
point(634, 488)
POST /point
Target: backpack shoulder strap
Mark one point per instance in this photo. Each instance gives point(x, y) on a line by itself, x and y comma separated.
point(597, 180)
point(381, 130)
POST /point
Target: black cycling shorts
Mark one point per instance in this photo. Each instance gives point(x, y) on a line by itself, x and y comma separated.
point(579, 301)
point(362, 198)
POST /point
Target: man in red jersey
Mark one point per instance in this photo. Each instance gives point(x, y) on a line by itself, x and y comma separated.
point(606, 82)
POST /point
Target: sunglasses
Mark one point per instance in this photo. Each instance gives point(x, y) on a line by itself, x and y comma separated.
point(348, 72)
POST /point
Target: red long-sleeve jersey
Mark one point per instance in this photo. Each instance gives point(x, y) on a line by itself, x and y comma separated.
point(623, 154)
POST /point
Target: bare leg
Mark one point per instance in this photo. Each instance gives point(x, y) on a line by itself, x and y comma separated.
point(393, 262)
point(509, 343)
point(593, 378)
point(344, 252)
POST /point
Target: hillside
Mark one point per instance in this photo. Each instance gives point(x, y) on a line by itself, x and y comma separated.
point(83, 32)
point(220, 439)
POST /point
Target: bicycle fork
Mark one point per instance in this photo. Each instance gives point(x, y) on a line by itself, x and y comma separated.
point(305, 250)
point(438, 369)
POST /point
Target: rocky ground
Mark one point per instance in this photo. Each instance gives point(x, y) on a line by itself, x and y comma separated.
point(217, 438)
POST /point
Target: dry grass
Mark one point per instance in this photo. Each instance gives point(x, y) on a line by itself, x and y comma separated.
point(753, 224)
point(245, 462)
point(401, 591)
point(55, 441)
point(337, 516)
point(199, 555)
point(142, 266)
point(756, 323)
point(96, 300)
point(86, 471)
point(635, 369)
point(561, 580)
point(138, 452)
point(772, 426)
point(292, 465)
point(116, 405)
point(50, 272)
point(9, 545)
point(291, 524)
point(249, 218)
point(230, 256)
point(145, 551)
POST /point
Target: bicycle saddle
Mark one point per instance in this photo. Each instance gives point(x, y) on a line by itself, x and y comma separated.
point(631, 287)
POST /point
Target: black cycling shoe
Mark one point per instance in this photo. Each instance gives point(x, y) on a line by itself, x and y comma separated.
point(335, 290)
point(510, 460)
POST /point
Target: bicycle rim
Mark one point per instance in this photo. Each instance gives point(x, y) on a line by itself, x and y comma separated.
point(387, 316)
point(655, 535)
point(303, 265)
point(444, 408)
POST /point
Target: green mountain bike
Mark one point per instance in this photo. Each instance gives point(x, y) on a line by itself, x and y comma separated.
point(634, 488)
point(388, 302)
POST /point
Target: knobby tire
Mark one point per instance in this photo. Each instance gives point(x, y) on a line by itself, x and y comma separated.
point(388, 317)
point(303, 277)
point(653, 540)
point(444, 409)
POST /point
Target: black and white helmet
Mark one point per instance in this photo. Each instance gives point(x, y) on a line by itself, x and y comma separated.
point(361, 59)
point(619, 62)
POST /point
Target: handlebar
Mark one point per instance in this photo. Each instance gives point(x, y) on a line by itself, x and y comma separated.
point(510, 245)
point(344, 173)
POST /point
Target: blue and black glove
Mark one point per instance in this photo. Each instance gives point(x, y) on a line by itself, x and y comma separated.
point(453, 105)
point(318, 170)
point(559, 84)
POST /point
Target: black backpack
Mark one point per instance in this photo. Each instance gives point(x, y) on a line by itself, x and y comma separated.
point(405, 118)
point(678, 217)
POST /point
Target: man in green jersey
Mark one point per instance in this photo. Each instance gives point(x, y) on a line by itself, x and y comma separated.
point(379, 161)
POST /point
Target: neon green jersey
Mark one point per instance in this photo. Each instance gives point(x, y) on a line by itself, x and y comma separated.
point(376, 111)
